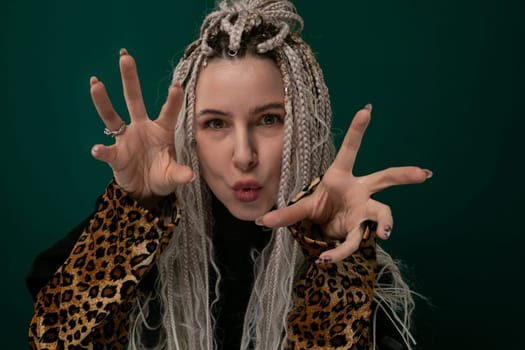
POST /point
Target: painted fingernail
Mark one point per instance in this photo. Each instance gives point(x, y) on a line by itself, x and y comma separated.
point(388, 231)
point(123, 52)
point(429, 173)
point(323, 260)
point(369, 107)
point(258, 221)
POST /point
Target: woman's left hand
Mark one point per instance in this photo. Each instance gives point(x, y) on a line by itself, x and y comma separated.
point(342, 202)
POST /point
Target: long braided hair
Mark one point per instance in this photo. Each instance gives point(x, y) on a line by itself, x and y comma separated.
point(267, 28)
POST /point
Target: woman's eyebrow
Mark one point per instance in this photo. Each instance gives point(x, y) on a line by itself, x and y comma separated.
point(256, 110)
point(211, 111)
point(271, 105)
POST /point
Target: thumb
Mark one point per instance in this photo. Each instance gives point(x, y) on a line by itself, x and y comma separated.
point(104, 153)
point(286, 216)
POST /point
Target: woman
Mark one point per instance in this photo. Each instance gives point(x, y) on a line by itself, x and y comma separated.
point(179, 253)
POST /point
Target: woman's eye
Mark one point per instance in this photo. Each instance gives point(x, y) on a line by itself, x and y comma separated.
point(270, 119)
point(215, 124)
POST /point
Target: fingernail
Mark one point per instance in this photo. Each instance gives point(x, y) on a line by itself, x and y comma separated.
point(258, 221)
point(429, 173)
point(94, 150)
point(193, 178)
point(173, 85)
point(93, 80)
point(123, 52)
point(323, 260)
point(388, 231)
point(369, 107)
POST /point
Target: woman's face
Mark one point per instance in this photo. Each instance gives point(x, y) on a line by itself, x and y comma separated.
point(239, 129)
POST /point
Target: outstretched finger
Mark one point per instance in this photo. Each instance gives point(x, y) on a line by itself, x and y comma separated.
point(286, 216)
point(395, 176)
point(345, 249)
point(103, 105)
point(131, 86)
point(171, 108)
point(347, 154)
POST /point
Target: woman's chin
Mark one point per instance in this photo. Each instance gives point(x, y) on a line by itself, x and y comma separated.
point(247, 214)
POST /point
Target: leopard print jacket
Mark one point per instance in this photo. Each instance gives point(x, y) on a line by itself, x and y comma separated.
point(86, 303)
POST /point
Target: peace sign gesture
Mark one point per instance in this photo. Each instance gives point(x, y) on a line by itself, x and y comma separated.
point(143, 156)
point(342, 202)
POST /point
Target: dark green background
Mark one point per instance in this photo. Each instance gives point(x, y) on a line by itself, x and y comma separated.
point(446, 81)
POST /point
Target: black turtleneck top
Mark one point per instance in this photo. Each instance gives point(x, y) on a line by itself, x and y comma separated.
point(234, 241)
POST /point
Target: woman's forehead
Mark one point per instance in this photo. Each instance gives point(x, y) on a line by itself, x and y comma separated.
point(241, 79)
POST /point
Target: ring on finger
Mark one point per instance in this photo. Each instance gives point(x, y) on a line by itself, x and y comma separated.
point(114, 133)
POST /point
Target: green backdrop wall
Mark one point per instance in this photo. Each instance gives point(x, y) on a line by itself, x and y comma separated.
point(446, 81)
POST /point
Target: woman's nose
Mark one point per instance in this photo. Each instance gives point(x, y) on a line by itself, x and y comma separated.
point(244, 151)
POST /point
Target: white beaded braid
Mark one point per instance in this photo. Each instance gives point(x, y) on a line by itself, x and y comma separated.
point(267, 28)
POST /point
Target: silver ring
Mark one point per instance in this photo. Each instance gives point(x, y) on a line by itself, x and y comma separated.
point(113, 133)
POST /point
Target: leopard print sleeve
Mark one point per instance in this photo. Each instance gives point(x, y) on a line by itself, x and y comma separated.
point(332, 301)
point(86, 303)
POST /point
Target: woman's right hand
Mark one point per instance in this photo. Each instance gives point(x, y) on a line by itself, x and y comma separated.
point(143, 157)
